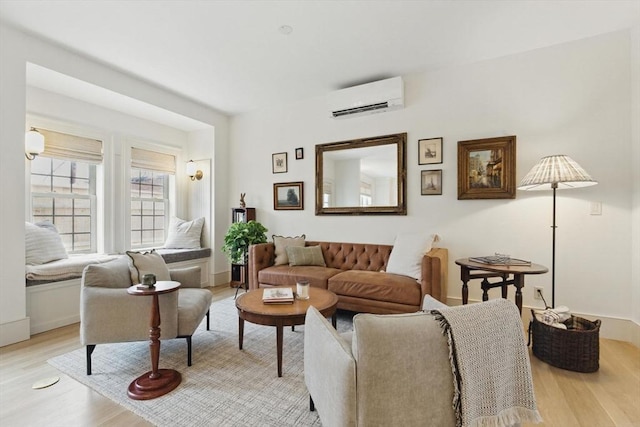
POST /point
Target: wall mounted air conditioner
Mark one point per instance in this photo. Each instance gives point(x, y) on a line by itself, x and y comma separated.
point(375, 97)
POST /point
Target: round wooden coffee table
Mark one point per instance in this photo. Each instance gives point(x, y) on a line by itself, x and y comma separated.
point(252, 309)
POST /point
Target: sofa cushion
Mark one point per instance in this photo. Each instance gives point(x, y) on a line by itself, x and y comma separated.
point(43, 243)
point(147, 263)
point(407, 253)
point(281, 243)
point(112, 274)
point(285, 275)
point(377, 286)
point(311, 255)
point(184, 234)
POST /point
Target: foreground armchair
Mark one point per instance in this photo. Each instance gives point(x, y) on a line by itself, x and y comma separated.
point(109, 315)
point(395, 370)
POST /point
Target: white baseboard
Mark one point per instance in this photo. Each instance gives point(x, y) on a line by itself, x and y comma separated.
point(613, 328)
point(221, 279)
point(13, 332)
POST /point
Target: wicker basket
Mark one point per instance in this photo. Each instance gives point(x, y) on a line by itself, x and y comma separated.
point(576, 348)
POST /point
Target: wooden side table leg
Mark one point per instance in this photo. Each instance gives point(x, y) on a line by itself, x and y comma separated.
point(518, 281)
point(464, 276)
point(279, 331)
point(334, 320)
point(240, 331)
point(485, 289)
point(504, 287)
point(154, 335)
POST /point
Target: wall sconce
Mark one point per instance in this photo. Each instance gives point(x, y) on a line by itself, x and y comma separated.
point(193, 172)
point(33, 143)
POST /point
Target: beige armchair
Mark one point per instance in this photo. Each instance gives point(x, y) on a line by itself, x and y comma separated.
point(394, 370)
point(109, 315)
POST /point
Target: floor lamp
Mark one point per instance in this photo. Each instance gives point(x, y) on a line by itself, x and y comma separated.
point(555, 172)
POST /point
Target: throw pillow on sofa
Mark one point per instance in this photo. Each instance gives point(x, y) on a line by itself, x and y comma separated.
point(43, 244)
point(281, 243)
point(406, 255)
point(147, 263)
point(184, 234)
point(310, 255)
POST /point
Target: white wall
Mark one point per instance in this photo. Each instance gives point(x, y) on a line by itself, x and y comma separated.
point(569, 99)
point(635, 165)
point(16, 49)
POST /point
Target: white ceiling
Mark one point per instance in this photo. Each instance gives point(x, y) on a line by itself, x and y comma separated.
point(229, 55)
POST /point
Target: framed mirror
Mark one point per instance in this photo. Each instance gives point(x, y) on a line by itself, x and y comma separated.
point(362, 176)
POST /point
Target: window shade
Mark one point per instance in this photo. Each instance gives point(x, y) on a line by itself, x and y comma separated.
point(71, 147)
point(152, 160)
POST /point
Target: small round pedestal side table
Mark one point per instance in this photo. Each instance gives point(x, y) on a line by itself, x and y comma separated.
point(156, 382)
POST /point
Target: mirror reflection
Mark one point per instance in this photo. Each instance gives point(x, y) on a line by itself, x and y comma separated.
point(364, 176)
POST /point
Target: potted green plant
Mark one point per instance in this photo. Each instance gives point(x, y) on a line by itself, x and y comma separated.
point(238, 238)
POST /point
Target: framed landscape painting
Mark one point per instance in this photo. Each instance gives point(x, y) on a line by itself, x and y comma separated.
point(487, 168)
point(288, 196)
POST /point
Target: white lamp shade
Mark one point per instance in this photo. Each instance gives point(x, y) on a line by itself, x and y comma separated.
point(559, 170)
point(191, 168)
point(33, 142)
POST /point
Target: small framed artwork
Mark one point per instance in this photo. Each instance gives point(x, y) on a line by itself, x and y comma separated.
point(288, 196)
point(431, 182)
point(429, 151)
point(299, 153)
point(487, 168)
point(279, 162)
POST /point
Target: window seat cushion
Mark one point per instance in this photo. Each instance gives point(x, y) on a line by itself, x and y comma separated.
point(63, 269)
point(72, 267)
point(177, 255)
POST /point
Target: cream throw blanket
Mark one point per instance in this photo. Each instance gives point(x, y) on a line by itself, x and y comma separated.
point(490, 364)
point(65, 268)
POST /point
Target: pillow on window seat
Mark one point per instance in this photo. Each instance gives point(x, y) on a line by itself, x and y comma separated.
point(147, 263)
point(43, 243)
point(184, 234)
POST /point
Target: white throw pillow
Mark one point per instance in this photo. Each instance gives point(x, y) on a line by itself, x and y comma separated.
point(184, 234)
point(406, 255)
point(280, 243)
point(43, 243)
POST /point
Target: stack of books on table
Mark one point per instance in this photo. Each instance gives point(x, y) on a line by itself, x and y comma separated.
point(277, 296)
point(499, 260)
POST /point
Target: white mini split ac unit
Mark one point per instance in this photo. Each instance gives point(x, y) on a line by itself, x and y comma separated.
point(375, 97)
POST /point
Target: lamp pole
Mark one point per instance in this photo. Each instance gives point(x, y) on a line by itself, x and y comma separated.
point(554, 186)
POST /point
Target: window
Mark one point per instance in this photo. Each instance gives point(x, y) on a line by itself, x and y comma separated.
point(149, 204)
point(152, 175)
point(366, 198)
point(63, 188)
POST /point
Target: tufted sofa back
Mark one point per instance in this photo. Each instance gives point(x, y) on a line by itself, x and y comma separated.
point(354, 256)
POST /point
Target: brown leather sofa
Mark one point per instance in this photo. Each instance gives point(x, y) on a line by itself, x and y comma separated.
point(355, 272)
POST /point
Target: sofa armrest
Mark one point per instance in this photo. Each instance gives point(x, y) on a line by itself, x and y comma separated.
point(188, 277)
point(329, 371)
point(261, 256)
point(112, 315)
point(434, 274)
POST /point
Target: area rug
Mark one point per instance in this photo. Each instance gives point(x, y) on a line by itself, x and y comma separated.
point(225, 386)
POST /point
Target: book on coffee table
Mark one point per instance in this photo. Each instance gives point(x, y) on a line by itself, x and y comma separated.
point(277, 296)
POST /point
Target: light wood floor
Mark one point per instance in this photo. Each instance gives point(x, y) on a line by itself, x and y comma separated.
point(609, 397)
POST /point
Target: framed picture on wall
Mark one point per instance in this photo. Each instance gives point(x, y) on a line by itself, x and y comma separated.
point(288, 196)
point(299, 153)
point(487, 168)
point(279, 162)
point(431, 182)
point(429, 151)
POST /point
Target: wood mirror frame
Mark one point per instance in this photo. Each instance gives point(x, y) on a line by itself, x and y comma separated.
point(400, 208)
